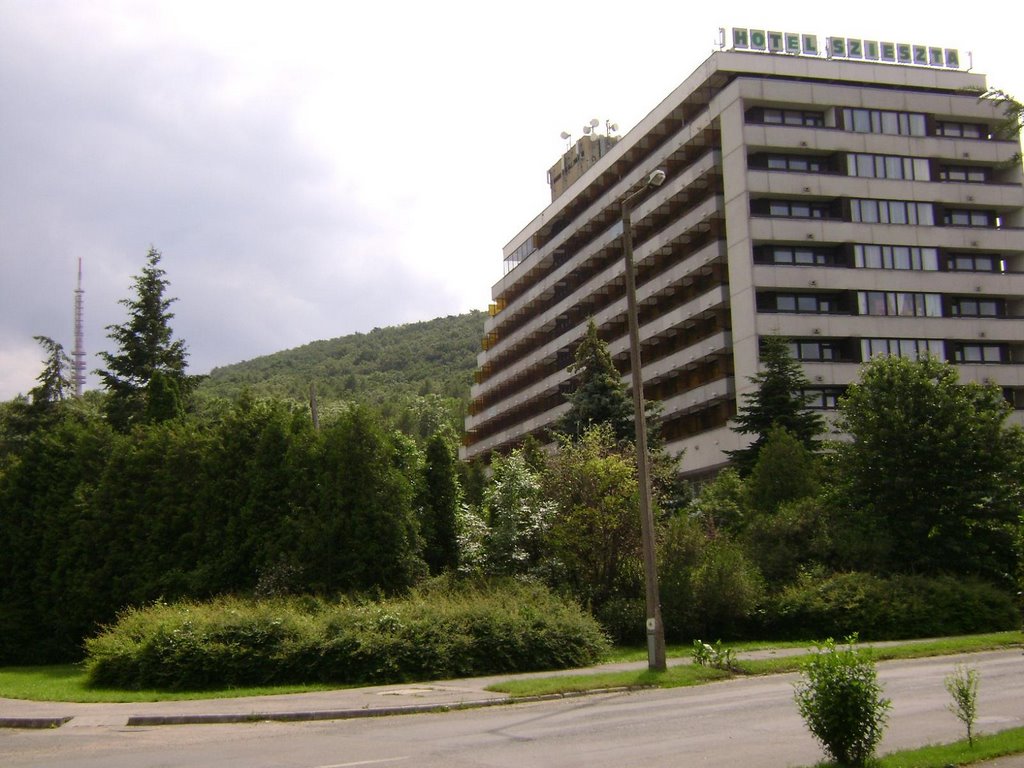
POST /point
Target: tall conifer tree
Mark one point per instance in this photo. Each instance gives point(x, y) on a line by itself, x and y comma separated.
point(145, 377)
point(777, 401)
point(600, 397)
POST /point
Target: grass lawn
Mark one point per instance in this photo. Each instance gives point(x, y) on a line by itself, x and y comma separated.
point(986, 747)
point(683, 675)
point(67, 682)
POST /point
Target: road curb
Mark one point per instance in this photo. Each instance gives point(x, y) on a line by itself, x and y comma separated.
point(33, 722)
point(351, 714)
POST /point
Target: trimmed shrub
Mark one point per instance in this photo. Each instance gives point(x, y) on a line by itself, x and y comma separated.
point(878, 608)
point(841, 702)
point(437, 632)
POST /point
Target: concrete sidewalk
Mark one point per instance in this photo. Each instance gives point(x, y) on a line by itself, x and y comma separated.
point(372, 701)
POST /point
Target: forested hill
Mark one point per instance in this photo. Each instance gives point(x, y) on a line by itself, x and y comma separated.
point(432, 357)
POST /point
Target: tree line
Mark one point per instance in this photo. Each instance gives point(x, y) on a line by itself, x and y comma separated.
point(146, 492)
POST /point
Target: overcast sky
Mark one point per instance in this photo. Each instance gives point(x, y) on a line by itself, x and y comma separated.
point(313, 169)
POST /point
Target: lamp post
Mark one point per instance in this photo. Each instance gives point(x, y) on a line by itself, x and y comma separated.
point(655, 629)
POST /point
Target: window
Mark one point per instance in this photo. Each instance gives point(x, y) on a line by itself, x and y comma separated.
point(811, 350)
point(796, 209)
point(974, 262)
point(881, 121)
point(969, 173)
point(961, 130)
point(896, 257)
point(979, 353)
point(891, 212)
point(797, 256)
point(800, 303)
point(968, 217)
point(798, 163)
point(824, 399)
point(888, 167)
point(971, 306)
point(786, 117)
point(899, 304)
point(912, 349)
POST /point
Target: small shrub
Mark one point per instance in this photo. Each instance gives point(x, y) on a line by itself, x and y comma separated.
point(840, 700)
point(716, 656)
point(963, 687)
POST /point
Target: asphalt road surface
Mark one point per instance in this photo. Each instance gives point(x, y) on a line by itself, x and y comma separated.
point(751, 723)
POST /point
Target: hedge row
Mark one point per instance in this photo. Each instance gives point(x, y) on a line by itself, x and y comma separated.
point(435, 633)
point(830, 605)
point(893, 608)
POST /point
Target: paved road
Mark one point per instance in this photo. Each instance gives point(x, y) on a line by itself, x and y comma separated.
point(750, 723)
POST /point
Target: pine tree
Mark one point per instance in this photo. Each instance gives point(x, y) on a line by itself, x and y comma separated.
point(778, 400)
point(145, 379)
point(54, 384)
point(600, 397)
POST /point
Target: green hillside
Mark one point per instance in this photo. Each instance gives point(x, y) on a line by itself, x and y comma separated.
point(386, 365)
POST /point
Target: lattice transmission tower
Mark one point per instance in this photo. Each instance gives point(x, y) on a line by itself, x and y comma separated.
point(78, 356)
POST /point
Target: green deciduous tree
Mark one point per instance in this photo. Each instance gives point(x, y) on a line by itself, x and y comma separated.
point(1013, 116)
point(708, 584)
point(777, 400)
point(594, 537)
point(145, 378)
point(517, 516)
point(932, 471)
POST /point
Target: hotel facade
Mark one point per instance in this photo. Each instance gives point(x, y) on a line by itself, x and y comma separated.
point(855, 207)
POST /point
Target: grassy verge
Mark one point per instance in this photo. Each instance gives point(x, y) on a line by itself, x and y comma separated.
point(959, 753)
point(68, 682)
point(679, 651)
point(675, 677)
point(682, 675)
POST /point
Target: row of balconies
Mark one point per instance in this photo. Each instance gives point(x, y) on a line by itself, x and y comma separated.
point(505, 351)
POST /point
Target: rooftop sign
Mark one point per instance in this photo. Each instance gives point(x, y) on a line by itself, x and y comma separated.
point(799, 44)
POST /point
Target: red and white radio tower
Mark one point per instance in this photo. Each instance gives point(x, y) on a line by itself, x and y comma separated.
point(78, 356)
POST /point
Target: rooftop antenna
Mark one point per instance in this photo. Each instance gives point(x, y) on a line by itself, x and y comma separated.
point(589, 128)
point(78, 356)
point(567, 137)
point(610, 127)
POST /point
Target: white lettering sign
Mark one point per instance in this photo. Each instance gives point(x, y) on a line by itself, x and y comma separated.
point(799, 44)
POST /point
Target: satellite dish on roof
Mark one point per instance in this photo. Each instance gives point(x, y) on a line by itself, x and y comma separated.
point(586, 130)
point(594, 123)
point(566, 135)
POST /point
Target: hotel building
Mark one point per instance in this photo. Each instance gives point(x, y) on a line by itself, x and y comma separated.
point(855, 207)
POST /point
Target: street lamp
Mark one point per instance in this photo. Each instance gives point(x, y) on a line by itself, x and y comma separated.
point(655, 629)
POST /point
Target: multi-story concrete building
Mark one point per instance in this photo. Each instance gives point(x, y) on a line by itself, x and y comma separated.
point(855, 207)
